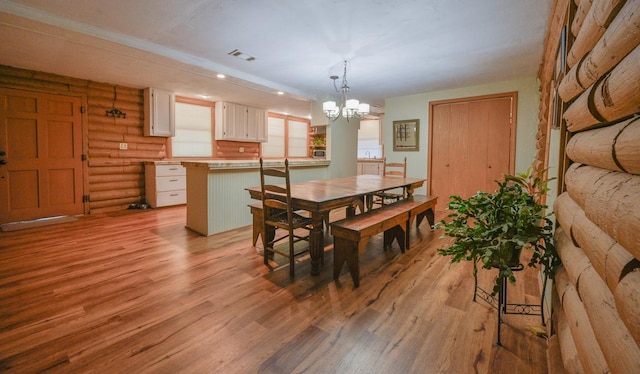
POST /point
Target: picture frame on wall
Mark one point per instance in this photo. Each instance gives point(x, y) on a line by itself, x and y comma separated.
point(406, 135)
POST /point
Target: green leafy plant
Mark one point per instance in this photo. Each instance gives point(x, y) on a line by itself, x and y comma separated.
point(494, 228)
point(318, 142)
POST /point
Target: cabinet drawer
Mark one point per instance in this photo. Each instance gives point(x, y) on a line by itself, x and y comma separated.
point(171, 198)
point(177, 182)
point(167, 170)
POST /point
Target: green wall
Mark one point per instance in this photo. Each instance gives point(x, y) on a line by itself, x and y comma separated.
point(343, 136)
point(417, 106)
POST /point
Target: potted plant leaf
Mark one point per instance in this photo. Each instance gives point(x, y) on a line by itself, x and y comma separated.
point(494, 228)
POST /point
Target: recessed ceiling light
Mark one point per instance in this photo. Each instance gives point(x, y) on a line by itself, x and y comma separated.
point(242, 55)
point(280, 93)
point(221, 76)
point(204, 96)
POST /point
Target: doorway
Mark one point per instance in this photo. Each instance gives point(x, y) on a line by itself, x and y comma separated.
point(40, 155)
point(472, 144)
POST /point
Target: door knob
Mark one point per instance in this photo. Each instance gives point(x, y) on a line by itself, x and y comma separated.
point(3, 162)
point(3, 153)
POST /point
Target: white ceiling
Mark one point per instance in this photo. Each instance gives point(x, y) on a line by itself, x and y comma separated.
point(394, 47)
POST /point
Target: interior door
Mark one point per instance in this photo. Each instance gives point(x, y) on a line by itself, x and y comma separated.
point(472, 144)
point(41, 155)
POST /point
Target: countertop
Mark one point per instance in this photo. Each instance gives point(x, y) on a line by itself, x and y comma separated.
point(252, 164)
point(371, 160)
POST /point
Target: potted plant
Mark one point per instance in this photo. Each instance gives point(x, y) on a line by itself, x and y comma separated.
point(318, 142)
point(495, 227)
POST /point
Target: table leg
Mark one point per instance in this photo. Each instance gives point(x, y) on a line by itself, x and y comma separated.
point(316, 242)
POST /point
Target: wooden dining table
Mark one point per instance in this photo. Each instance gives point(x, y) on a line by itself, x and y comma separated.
point(321, 196)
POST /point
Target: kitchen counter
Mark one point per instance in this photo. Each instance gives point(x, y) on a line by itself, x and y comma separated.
point(253, 164)
point(216, 197)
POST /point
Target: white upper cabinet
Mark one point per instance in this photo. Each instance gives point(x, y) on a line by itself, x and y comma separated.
point(159, 112)
point(240, 123)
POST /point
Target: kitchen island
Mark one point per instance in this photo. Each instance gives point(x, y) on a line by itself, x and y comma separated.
point(216, 196)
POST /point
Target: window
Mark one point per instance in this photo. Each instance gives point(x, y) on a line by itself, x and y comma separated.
point(193, 129)
point(297, 139)
point(287, 137)
point(274, 146)
point(369, 142)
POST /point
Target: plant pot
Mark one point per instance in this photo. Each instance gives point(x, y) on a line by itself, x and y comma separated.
point(513, 259)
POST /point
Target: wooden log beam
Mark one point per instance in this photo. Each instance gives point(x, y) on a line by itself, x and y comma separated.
point(610, 200)
point(607, 257)
point(565, 210)
point(581, 14)
point(627, 299)
point(589, 351)
point(616, 341)
point(614, 97)
point(106, 170)
point(570, 358)
point(614, 147)
point(621, 37)
point(600, 15)
point(116, 194)
point(573, 258)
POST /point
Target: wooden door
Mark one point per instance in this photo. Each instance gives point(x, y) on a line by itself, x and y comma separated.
point(41, 147)
point(472, 144)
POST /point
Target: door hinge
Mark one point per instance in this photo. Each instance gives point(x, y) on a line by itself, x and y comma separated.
point(82, 110)
point(85, 198)
point(83, 157)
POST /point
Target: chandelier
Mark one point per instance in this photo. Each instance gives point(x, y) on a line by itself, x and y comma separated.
point(349, 108)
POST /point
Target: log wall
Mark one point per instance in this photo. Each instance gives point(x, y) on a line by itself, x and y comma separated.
point(597, 315)
point(113, 178)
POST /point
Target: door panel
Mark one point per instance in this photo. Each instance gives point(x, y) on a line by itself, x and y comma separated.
point(41, 136)
point(471, 145)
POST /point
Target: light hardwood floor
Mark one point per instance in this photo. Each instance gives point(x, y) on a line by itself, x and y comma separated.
point(135, 291)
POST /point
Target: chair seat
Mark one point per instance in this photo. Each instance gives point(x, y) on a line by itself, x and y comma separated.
point(281, 220)
point(389, 195)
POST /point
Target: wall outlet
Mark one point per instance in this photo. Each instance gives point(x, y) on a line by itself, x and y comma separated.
point(124, 146)
point(241, 150)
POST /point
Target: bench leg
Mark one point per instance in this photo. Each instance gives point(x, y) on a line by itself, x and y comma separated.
point(430, 217)
point(397, 232)
point(418, 218)
point(257, 228)
point(349, 252)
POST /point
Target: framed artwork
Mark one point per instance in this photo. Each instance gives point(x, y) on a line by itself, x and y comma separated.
point(406, 135)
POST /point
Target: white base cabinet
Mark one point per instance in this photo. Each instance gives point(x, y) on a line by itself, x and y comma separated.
point(165, 183)
point(371, 166)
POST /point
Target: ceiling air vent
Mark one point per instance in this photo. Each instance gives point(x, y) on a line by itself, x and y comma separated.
point(242, 55)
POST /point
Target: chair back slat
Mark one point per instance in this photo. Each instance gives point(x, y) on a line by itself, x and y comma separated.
point(395, 169)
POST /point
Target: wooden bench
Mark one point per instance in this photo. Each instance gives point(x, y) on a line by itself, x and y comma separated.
point(257, 211)
point(351, 235)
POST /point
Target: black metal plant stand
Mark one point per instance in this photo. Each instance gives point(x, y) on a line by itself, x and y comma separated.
point(500, 302)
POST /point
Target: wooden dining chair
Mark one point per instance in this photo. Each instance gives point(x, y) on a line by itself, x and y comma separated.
point(278, 214)
point(396, 170)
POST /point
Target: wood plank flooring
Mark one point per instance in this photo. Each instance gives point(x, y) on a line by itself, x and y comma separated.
point(135, 291)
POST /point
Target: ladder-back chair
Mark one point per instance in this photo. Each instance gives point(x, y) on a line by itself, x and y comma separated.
point(396, 170)
point(278, 214)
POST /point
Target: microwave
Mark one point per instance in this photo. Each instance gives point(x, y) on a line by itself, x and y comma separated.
point(319, 153)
